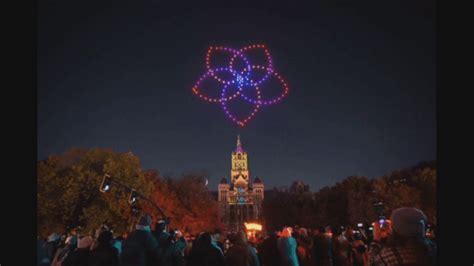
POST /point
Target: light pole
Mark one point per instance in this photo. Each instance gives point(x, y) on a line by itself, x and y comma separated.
point(107, 183)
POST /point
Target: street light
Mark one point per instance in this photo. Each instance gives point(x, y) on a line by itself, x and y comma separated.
point(133, 197)
point(105, 185)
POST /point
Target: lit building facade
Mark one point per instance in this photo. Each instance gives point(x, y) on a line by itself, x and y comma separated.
point(240, 200)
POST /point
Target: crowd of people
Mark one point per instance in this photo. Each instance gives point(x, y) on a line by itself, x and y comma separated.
point(404, 239)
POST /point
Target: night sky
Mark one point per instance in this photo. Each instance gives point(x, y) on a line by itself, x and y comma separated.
point(361, 76)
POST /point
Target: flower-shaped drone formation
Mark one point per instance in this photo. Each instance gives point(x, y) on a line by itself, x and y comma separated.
point(241, 82)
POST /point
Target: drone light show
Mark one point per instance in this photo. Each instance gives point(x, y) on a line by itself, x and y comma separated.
point(240, 77)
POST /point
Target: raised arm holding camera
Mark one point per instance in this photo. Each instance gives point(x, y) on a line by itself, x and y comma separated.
point(401, 240)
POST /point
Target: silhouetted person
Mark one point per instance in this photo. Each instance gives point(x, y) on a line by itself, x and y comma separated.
point(305, 248)
point(160, 233)
point(80, 256)
point(105, 254)
point(52, 245)
point(173, 250)
point(204, 253)
point(340, 248)
point(287, 248)
point(359, 254)
point(241, 253)
point(215, 236)
point(141, 247)
point(42, 254)
point(322, 248)
point(268, 251)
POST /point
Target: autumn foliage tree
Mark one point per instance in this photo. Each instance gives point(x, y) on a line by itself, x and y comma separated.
point(289, 206)
point(68, 194)
point(186, 201)
point(415, 186)
point(351, 200)
point(68, 190)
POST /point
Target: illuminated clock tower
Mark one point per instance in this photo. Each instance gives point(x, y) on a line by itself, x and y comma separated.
point(240, 200)
point(239, 172)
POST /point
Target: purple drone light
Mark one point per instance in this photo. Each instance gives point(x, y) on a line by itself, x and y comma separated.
point(242, 79)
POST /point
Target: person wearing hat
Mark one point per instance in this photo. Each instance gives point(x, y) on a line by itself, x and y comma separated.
point(80, 256)
point(140, 248)
point(401, 240)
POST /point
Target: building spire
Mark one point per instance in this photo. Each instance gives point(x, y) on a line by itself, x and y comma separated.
point(239, 145)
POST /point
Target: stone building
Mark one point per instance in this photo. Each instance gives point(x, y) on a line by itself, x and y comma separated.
point(240, 200)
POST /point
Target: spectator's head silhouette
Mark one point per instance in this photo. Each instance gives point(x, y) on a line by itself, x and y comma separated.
point(204, 241)
point(303, 232)
point(240, 237)
point(272, 234)
point(408, 222)
point(105, 238)
point(160, 226)
point(145, 220)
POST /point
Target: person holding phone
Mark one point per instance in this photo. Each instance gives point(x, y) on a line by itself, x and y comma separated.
point(359, 255)
point(401, 240)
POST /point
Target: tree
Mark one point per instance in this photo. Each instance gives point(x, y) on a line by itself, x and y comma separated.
point(186, 201)
point(68, 193)
point(289, 207)
point(426, 183)
point(299, 187)
point(359, 200)
point(351, 200)
point(411, 187)
point(200, 209)
point(276, 210)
